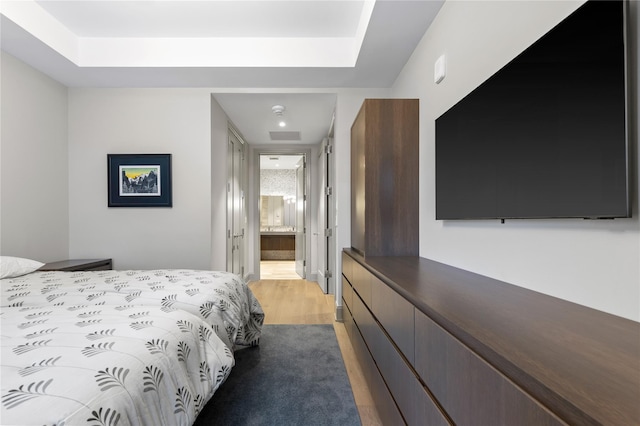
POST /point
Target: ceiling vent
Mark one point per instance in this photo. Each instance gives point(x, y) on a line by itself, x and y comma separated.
point(284, 136)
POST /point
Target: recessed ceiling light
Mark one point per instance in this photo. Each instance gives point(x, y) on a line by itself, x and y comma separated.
point(282, 124)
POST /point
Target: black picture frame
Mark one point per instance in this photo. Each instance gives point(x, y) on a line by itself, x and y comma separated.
point(139, 180)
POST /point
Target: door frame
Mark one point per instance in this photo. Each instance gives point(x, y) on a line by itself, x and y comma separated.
point(253, 202)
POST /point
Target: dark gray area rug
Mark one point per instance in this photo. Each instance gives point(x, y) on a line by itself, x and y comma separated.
point(295, 377)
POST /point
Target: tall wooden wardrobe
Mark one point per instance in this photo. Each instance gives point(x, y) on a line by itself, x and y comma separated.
point(384, 178)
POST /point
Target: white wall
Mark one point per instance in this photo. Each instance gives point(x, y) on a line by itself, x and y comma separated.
point(33, 164)
point(593, 263)
point(190, 124)
point(118, 121)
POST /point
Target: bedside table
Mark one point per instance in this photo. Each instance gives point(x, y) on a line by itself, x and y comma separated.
point(78, 265)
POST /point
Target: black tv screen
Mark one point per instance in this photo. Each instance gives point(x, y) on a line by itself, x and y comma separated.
point(545, 136)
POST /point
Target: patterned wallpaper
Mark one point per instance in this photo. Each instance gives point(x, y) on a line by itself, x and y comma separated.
point(278, 182)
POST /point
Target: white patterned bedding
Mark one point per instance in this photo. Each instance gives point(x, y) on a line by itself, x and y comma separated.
point(120, 347)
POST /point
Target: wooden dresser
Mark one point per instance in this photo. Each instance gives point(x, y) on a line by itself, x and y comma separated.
point(440, 345)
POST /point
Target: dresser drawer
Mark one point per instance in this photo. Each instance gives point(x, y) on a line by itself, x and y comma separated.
point(363, 319)
point(362, 282)
point(394, 370)
point(395, 314)
point(347, 293)
point(425, 411)
point(347, 268)
point(396, 373)
point(349, 325)
point(413, 401)
point(385, 404)
point(470, 390)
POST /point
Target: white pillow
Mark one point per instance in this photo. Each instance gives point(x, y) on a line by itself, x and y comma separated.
point(15, 266)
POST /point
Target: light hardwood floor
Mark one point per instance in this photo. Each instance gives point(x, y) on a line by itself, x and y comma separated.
point(278, 270)
point(302, 302)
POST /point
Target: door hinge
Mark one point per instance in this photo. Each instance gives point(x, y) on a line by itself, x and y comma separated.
point(228, 233)
point(328, 232)
point(328, 149)
point(328, 190)
point(328, 274)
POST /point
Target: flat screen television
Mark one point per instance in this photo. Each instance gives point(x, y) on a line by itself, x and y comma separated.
point(545, 136)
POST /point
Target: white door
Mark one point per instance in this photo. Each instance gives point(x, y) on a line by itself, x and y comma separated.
point(235, 206)
point(322, 214)
point(301, 226)
point(329, 219)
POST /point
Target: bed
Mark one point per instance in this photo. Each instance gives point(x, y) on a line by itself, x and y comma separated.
point(120, 347)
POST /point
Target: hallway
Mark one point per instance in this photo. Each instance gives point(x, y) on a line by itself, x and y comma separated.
point(278, 270)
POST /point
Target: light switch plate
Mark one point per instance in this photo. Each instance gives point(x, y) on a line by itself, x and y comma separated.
point(439, 69)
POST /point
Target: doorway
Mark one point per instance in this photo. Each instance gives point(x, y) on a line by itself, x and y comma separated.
point(282, 207)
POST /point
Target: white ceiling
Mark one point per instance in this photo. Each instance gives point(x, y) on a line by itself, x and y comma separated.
point(310, 114)
point(207, 18)
point(230, 46)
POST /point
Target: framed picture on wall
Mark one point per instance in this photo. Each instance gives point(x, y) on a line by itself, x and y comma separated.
point(139, 180)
